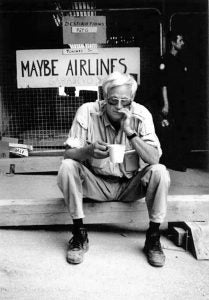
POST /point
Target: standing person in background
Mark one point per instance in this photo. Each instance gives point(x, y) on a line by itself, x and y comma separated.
point(174, 112)
point(88, 172)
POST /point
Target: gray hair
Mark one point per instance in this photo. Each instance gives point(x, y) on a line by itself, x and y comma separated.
point(117, 79)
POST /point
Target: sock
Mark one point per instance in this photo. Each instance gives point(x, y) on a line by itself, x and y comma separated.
point(77, 224)
point(153, 227)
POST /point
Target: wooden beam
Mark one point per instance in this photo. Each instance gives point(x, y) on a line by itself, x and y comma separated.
point(199, 233)
point(47, 211)
point(9, 139)
point(31, 164)
point(4, 150)
point(47, 152)
point(36, 200)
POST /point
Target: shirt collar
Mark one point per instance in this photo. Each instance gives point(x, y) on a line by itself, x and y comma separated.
point(106, 120)
point(103, 113)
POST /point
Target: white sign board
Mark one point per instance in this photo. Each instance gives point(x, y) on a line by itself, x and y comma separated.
point(53, 68)
point(88, 29)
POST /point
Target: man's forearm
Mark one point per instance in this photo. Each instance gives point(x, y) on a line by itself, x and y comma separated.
point(165, 98)
point(147, 152)
point(80, 154)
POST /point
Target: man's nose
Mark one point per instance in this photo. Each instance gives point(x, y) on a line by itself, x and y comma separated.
point(119, 105)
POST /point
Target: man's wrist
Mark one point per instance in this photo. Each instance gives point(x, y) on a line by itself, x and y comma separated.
point(90, 150)
point(131, 134)
point(130, 137)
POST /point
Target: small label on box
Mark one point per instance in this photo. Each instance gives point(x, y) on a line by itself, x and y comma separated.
point(19, 151)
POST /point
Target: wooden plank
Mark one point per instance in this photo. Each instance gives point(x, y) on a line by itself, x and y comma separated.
point(199, 232)
point(47, 152)
point(37, 200)
point(31, 164)
point(9, 139)
point(53, 211)
point(4, 150)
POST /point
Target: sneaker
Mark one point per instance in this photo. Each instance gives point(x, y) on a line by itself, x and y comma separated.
point(78, 245)
point(153, 250)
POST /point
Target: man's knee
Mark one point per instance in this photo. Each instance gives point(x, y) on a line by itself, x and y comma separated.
point(160, 173)
point(69, 164)
point(69, 167)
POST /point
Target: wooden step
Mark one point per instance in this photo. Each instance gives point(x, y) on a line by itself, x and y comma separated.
point(36, 200)
point(34, 164)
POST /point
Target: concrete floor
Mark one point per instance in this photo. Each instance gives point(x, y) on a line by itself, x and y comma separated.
point(33, 267)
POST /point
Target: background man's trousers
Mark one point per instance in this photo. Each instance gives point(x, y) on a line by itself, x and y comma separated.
point(77, 182)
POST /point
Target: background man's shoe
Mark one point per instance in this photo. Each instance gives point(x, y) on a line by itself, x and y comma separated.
point(153, 250)
point(78, 245)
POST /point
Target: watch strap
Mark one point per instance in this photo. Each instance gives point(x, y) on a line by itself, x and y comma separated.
point(129, 137)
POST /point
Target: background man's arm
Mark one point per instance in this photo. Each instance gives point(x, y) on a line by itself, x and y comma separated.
point(165, 108)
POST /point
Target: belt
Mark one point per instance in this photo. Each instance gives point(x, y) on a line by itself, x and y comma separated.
point(111, 178)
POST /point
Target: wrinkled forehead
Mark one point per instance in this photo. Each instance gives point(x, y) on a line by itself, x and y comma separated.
point(124, 90)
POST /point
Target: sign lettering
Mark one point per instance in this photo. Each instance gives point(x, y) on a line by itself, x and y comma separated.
point(53, 68)
point(84, 29)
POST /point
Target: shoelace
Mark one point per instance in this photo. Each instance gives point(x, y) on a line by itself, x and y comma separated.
point(75, 243)
point(156, 246)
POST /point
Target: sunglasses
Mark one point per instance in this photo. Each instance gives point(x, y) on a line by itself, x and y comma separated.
point(123, 101)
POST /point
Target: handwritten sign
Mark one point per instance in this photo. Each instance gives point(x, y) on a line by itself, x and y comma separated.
point(19, 151)
point(84, 29)
point(89, 29)
point(52, 68)
point(79, 50)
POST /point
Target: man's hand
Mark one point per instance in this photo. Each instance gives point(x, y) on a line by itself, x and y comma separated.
point(126, 120)
point(99, 150)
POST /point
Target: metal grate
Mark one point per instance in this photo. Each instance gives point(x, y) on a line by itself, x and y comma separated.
point(40, 117)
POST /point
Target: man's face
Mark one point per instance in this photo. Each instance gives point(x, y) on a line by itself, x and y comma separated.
point(117, 98)
point(179, 44)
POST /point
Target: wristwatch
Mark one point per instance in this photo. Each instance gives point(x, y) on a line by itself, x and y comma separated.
point(131, 136)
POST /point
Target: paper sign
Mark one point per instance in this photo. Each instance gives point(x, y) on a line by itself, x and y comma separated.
point(19, 151)
point(52, 68)
point(89, 29)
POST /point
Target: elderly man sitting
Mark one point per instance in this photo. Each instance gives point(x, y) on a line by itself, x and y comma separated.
point(88, 172)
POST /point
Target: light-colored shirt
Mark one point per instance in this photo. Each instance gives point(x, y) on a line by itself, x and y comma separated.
point(91, 124)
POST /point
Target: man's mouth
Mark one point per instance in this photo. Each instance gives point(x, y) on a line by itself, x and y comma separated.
point(118, 113)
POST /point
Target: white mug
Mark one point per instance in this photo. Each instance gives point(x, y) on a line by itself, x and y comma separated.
point(117, 152)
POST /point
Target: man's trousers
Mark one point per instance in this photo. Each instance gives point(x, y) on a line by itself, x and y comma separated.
point(77, 182)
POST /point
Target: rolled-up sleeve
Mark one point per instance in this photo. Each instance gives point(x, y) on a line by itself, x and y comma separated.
point(77, 136)
point(146, 131)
